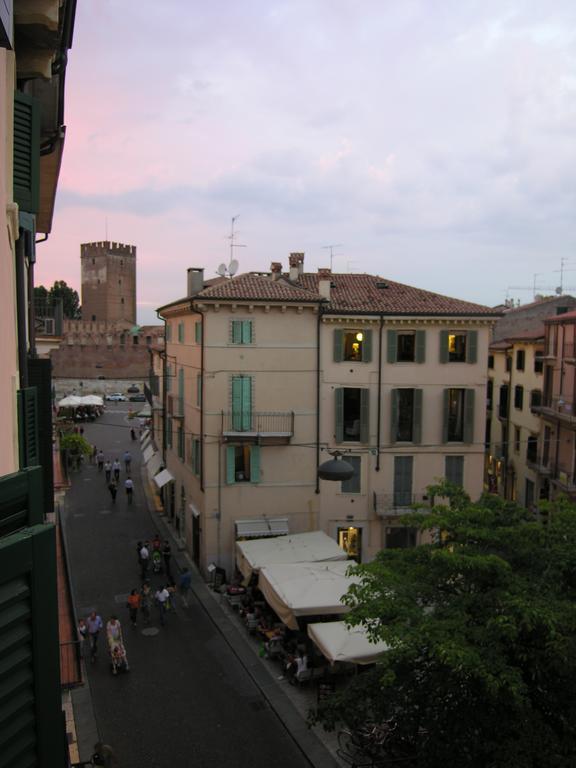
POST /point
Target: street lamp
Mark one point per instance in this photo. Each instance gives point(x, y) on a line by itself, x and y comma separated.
point(335, 469)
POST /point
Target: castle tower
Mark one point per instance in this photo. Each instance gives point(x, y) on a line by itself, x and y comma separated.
point(108, 281)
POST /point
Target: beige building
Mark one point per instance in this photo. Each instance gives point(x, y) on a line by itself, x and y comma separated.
point(266, 373)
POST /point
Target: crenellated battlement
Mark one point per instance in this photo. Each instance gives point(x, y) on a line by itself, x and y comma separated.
point(106, 247)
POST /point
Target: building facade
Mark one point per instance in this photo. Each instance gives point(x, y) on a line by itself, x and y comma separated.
point(108, 282)
point(264, 375)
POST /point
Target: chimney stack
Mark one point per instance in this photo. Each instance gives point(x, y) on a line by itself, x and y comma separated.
point(276, 269)
point(195, 280)
point(324, 282)
point(296, 265)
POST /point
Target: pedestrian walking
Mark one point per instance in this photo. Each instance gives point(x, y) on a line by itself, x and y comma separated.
point(113, 488)
point(127, 461)
point(129, 487)
point(94, 623)
point(157, 542)
point(145, 601)
point(116, 469)
point(166, 556)
point(82, 635)
point(107, 470)
point(162, 597)
point(132, 434)
point(100, 460)
point(134, 600)
point(116, 645)
point(144, 560)
point(184, 583)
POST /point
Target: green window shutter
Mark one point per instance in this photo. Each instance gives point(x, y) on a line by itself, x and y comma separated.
point(454, 470)
point(230, 464)
point(255, 464)
point(180, 333)
point(198, 332)
point(242, 403)
point(198, 389)
point(180, 443)
point(367, 347)
point(339, 415)
point(420, 356)
point(471, 346)
point(193, 454)
point(469, 396)
point(197, 456)
point(338, 345)
point(236, 331)
point(169, 432)
point(393, 415)
point(443, 346)
point(392, 351)
point(181, 390)
point(26, 152)
point(246, 331)
point(168, 377)
point(28, 439)
point(446, 400)
point(21, 500)
point(364, 415)
point(168, 332)
point(417, 417)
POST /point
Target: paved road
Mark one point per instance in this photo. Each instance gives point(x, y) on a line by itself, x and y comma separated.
point(187, 701)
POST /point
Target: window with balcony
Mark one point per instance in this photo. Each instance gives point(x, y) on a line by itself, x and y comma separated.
point(458, 415)
point(353, 346)
point(353, 485)
point(532, 449)
point(241, 403)
point(403, 472)
point(241, 331)
point(535, 398)
point(351, 418)
point(242, 464)
point(406, 346)
point(406, 415)
point(518, 397)
point(458, 346)
point(520, 359)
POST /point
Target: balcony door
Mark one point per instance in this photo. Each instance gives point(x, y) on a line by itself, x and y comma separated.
point(242, 403)
point(403, 480)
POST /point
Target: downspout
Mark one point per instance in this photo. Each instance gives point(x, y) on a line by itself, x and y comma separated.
point(318, 327)
point(196, 310)
point(378, 435)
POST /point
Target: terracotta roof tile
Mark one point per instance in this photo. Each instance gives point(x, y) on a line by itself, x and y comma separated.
point(354, 293)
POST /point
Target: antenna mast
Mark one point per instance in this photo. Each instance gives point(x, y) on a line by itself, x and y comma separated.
point(232, 236)
point(331, 247)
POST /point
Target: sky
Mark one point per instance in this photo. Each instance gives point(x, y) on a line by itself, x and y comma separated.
point(432, 143)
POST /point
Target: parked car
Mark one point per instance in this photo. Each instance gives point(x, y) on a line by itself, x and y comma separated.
point(137, 398)
point(133, 388)
point(116, 397)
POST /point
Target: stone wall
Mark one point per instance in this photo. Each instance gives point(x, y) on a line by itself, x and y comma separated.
point(100, 362)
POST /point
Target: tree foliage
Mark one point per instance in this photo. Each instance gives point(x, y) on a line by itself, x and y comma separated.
point(61, 290)
point(75, 444)
point(481, 626)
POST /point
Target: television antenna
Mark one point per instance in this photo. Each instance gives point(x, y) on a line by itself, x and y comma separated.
point(331, 248)
point(232, 267)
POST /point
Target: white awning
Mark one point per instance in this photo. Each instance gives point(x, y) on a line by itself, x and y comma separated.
point(147, 452)
point(153, 465)
point(145, 435)
point(261, 527)
point(145, 412)
point(164, 477)
point(312, 547)
point(306, 589)
point(341, 643)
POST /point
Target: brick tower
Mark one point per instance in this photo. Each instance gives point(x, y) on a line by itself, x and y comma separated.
point(108, 282)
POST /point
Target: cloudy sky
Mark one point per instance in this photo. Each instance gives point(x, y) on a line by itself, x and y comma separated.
point(432, 141)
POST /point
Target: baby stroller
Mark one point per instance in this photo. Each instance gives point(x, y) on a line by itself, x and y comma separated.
point(118, 658)
point(156, 561)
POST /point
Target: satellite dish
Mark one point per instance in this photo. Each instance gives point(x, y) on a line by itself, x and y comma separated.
point(221, 270)
point(233, 268)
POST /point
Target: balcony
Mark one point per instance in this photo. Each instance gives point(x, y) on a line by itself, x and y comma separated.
point(564, 478)
point(398, 504)
point(270, 427)
point(557, 408)
point(539, 463)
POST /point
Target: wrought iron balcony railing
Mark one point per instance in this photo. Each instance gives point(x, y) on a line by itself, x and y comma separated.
point(563, 407)
point(400, 503)
point(273, 423)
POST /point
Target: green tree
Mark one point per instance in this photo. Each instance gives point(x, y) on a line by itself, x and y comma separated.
point(481, 629)
point(61, 290)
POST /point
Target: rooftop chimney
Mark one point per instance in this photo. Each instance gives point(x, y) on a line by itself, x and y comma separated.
point(195, 280)
point(276, 269)
point(296, 265)
point(324, 281)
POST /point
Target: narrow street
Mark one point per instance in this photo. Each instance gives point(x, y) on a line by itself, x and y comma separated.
point(187, 700)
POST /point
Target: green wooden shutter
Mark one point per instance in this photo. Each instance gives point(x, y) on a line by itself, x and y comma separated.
point(393, 415)
point(446, 401)
point(392, 346)
point(339, 414)
point(364, 415)
point(246, 331)
point(168, 377)
point(197, 456)
point(26, 152)
point(420, 356)
point(230, 464)
point(469, 396)
point(28, 439)
point(169, 430)
point(21, 503)
point(242, 403)
point(198, 389)
point(193, 454)
point(181, 391)
point(246, 403)
point(417, 417)
point(471, 346)
point(236, 331)
point(444, 346)
point(403, 471)
point(255, 464)
point(180, 332)
point(454, 470)
point(168, 332)
point(367, 347)
point(338, 345)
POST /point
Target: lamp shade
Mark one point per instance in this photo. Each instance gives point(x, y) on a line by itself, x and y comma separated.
point(335, 469)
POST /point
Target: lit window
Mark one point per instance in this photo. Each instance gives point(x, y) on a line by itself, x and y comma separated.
point(457, 347)
point(353, 343)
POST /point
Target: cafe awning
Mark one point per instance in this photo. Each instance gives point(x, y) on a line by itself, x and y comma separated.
point(162, 478)
point(311, 547)
point(153, 465)
point(306, 589)
point(338, 642)
point(261, 527)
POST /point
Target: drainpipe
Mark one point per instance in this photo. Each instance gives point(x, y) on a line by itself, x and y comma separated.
point(318, 328)
point(380, 332)
point(197, 311)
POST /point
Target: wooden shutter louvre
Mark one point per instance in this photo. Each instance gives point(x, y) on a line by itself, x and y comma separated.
point(230, 465)
point(471, 346)
point(246, 331)
point(392, 346)
point(444, 346)
point(367, 347)
point(28, 439)
point(393, 415)
point(339, 415)
point(338, 345)
point(236, 331)
point(420, 351)
point(446, 401)
point(26, 174)
point(469, 397)
point(364, 415)
point(417, 417)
